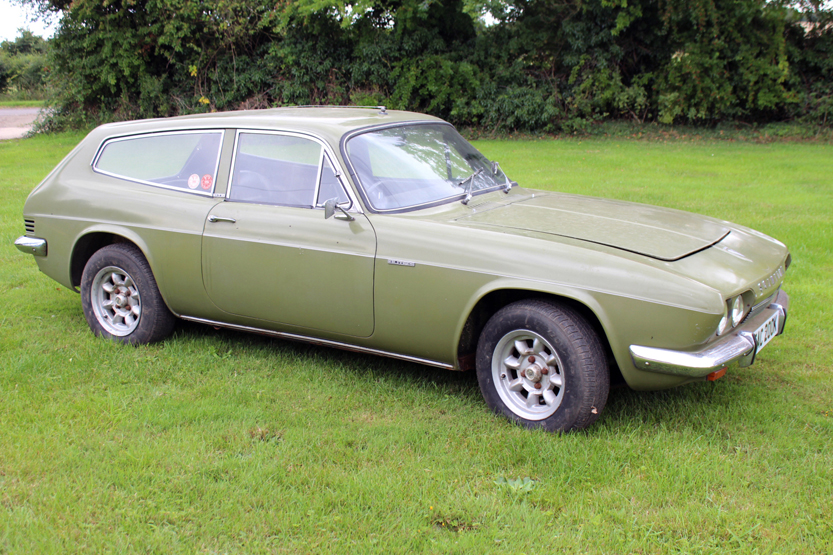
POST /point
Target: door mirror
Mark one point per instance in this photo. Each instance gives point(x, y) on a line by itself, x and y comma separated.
point(330, 207)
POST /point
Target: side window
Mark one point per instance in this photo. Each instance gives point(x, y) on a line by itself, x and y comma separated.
point(330, 186)
point(178, 160)
point(276, 169)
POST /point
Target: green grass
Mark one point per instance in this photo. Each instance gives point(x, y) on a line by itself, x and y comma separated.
point(725, 131)
point(22, 103)
point(222, 442)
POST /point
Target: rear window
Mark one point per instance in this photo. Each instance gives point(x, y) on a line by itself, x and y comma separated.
point(186, 160)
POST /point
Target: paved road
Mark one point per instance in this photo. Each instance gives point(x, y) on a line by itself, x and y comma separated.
point(16, 122)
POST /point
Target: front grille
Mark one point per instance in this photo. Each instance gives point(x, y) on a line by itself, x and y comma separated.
point(30, 226)
point(760, 307)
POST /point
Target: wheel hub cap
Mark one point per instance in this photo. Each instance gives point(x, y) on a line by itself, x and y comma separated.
point(533, 373)
point(116, 301)
point(528, 374)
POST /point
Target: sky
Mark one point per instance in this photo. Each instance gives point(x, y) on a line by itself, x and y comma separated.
point(13, 17)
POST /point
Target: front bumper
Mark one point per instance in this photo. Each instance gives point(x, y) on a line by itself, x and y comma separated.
point(740, 346)
point(31, 245)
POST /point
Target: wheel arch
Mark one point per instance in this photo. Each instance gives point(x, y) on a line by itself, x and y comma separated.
point(491, 301)
point(93, 239)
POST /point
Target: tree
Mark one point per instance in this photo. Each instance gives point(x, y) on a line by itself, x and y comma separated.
point(542, 65)
point(23, 63)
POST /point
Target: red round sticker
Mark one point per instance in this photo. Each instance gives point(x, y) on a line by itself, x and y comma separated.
point(206, 182)
point(193, 181)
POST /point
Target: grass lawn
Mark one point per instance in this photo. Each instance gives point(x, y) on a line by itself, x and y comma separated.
point(222, 442)
point(22, 103)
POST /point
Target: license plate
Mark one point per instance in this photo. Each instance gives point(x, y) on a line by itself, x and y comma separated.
point(767, 331)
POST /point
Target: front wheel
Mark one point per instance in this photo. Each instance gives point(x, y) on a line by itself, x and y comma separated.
point(120, 298)
point(542, 365)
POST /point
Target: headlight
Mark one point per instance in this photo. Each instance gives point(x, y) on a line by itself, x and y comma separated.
point(738, 311)
point(724, 322)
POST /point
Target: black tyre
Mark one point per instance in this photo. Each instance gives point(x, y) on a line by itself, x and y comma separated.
point(120, 298)
point(542, 365)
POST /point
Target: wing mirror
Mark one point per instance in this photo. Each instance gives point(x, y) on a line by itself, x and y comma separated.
point(330, 207)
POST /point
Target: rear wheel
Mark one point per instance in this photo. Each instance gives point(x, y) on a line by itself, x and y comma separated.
point(541, 364)
point(120, 298)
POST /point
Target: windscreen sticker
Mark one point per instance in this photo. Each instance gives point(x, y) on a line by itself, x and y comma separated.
point(206, 182)
point(193, 181)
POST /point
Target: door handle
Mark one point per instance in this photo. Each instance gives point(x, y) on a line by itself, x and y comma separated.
point(212, 218)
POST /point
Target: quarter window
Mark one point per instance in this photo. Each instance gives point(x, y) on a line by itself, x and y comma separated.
point(330, 187)
point(185, 161)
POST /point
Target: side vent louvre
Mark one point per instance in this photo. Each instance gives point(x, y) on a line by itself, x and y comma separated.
point(30, 226)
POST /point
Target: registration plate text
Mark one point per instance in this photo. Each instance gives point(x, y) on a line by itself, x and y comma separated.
point(766, 332)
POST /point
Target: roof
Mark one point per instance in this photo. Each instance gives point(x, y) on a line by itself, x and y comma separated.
point(329, 123)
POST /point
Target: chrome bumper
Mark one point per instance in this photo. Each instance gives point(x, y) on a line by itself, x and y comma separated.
point(739, 347)
point(31, 245)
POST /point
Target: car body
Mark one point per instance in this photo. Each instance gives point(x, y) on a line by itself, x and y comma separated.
point(385, 232)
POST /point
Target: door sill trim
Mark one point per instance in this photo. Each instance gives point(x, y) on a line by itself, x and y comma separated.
point(317, 341)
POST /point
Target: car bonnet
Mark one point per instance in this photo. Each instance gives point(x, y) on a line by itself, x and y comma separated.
point(660, 233)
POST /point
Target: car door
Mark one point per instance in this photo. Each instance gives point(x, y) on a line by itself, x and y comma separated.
point(268, 252)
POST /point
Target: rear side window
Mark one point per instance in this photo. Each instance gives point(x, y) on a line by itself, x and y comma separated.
point(186, 160)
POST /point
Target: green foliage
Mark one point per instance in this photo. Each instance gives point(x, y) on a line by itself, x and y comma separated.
point(730, 60)
point(543, 66)
point(23, 66)
point(519, 485)
point(5, 71)
point(812, 60)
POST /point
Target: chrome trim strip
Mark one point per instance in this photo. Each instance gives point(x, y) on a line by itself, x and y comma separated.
point(739, 347)
point(316, 341)
point(31, 245)
point(116, 139)
point(319, 176)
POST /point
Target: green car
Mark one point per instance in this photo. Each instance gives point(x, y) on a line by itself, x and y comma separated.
point(386, 232)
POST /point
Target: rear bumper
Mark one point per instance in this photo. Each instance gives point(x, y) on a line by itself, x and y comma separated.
point(31, 245)
point(740, 347)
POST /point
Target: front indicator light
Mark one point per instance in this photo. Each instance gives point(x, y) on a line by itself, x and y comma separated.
point(716, 375)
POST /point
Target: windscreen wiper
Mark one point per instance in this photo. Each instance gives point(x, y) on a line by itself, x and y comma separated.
point(470, 179)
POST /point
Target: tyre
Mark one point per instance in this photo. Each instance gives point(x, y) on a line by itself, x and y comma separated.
point(542, 365)
point(120, 298)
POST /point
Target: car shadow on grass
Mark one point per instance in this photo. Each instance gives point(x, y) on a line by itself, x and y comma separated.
point(397, 372)
point(689, 406)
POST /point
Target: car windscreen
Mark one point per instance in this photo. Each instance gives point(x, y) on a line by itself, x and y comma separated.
point(414, 165)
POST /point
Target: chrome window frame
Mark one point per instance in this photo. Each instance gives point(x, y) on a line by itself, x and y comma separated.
point(325, 151)
point(122, 138)
point(360, 186)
